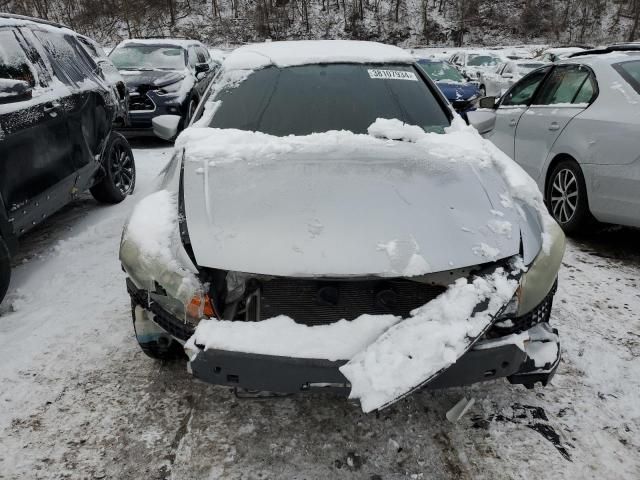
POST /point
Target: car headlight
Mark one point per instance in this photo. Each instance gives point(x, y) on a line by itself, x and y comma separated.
point(170, 89)
point(541, 275)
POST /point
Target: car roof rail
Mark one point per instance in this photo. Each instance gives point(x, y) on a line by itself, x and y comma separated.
point(163, 37)
point(618, 47)
point(33, 19)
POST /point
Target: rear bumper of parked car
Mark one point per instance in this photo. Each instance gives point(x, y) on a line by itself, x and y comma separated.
point(489, 359)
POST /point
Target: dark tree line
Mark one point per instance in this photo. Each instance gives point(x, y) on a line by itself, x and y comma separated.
point(452, 22)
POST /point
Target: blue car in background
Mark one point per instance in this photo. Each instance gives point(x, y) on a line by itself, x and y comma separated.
point(460, 93)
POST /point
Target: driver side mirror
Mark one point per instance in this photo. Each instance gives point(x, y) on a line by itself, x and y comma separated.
point(14, 90)
point(488, 102)
point(166, 126)
point(201, 69)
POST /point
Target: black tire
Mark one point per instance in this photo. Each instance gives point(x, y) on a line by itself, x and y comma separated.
point(5, 269)
point(165, 349)
point(566, 184)
point(191, 108)
point(119, 178)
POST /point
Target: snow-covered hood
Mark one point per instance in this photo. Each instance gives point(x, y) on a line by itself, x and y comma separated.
point(339, 204)
point(151, 78)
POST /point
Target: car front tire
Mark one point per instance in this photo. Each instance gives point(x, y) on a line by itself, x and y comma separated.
point(191, 109)
point(566, 197)
point(119, 171)
point(5, 269)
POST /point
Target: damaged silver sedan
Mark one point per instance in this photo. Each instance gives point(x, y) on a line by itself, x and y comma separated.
point(328, 222)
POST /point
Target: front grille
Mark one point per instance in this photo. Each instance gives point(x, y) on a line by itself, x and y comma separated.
point(319, 302)
point(141, 102)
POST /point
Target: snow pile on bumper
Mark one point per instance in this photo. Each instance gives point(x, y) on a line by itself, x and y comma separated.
point(282, 336)
point(414, 351)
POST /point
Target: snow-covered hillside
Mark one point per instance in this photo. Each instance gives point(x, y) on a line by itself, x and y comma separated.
point(405, 22)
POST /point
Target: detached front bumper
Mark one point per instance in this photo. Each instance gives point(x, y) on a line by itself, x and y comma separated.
point(488, 360)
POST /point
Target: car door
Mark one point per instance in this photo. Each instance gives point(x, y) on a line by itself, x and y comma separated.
point(511, 107)
point(559, 99)
point(85, 101)
point(36, 173)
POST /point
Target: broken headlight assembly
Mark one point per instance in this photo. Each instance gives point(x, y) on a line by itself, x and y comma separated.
point(539, 279)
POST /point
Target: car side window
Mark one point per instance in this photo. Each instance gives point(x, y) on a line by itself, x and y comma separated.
point(70, 62)
point(193, 56)
point(91, 50)
point(562, 85)
point(587, 91)
point(522, 92)
point(630, 71)
point(14, 64)
point(200, 55)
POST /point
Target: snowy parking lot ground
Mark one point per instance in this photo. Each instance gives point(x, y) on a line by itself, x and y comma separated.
point(80, 400)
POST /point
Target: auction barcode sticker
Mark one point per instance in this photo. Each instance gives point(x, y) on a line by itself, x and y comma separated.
point(392, 74)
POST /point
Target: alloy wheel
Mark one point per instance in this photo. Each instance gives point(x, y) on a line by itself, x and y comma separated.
point(122, 169)
point(564, 195)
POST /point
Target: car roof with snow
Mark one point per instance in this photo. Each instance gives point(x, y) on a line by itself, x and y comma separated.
point(603, 58)
point(12, 20)
point(312, 52)
point(171, 42)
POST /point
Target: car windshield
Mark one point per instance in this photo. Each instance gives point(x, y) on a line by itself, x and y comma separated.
point(630, 71)
point(524, 68)
point(482, 60)
point(148, 57)
point(441, 71)
point(319, 98)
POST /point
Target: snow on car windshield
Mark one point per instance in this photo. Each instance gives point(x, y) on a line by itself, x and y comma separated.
point(318, 98)
point(482, 60)
point(141, 57)
point(441, 71)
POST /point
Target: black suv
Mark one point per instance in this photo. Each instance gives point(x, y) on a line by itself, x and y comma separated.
point(164, 76)
point(56, 140)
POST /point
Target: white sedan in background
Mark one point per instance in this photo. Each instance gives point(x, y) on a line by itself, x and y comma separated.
point(498, 81)
point(574, 126)
point(471, 63)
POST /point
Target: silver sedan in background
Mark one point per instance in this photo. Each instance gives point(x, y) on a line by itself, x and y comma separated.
point(574, 126)
point(498, 81)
